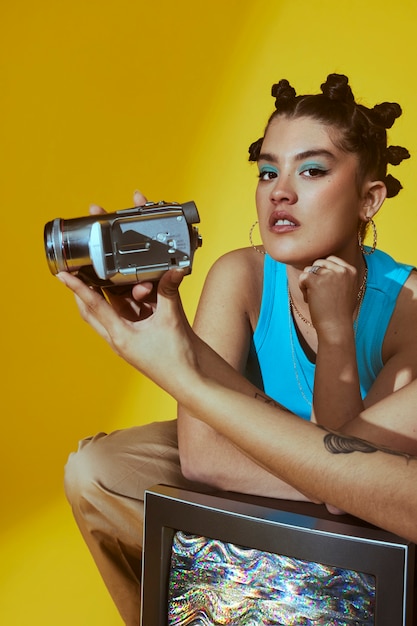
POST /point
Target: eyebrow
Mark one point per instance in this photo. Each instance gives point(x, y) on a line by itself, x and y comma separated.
point(266, 156)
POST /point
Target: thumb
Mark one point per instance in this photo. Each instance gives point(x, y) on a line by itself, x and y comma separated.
point(169, 283)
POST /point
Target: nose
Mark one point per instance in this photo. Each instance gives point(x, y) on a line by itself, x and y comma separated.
point(283, 191)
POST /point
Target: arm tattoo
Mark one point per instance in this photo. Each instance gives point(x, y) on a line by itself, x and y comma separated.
point(270, 401)
point(335, 443)
point(340, 444)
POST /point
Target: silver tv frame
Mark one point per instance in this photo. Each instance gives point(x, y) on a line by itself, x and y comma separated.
point(301, 530)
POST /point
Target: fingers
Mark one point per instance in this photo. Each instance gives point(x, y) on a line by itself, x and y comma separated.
point(331, 263)
point(93, 306)
point(141, 341)
point(140, 291)
point(96, 210)
point(139, 199)
point(320, 267)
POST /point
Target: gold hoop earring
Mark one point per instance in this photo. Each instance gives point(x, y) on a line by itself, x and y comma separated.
point(251, 240)
point(375, 238)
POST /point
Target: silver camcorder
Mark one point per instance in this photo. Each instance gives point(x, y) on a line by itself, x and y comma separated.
point(125, 247)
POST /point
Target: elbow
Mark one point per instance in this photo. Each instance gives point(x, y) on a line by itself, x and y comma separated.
point(195, 469)
point(199, 460)
point(189, 471)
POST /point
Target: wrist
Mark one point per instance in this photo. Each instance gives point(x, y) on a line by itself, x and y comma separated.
point(336, 334)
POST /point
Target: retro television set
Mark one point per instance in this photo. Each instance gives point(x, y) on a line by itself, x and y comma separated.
point(222, 558)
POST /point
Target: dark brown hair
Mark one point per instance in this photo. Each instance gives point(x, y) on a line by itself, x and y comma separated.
point(362, 130)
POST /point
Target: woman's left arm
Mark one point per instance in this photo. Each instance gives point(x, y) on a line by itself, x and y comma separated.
point(332, 296)
point(400, 368)
point(393, 427)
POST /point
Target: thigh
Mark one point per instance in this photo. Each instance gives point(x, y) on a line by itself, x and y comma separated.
point(131, 460)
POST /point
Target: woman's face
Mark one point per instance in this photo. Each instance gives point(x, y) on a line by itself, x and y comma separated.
point(307, 197)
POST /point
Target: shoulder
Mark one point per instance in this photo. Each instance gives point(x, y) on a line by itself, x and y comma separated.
point(401, 330)
point(242, 266)
point(407, 299)
point(242, 260)
point(235, 281)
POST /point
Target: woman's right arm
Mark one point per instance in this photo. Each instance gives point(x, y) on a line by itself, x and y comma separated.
point(226, 314)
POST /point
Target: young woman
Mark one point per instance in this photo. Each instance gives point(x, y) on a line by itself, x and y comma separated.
point(313, 321)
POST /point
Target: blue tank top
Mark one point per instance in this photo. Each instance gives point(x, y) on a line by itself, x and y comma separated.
point(287, 374)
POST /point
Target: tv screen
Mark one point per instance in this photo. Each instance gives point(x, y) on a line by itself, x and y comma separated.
point(213, 582)
point(229, 559)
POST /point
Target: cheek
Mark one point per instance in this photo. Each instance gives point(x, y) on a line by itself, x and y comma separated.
point(260, 200)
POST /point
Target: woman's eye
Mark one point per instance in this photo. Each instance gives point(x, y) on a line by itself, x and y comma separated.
point(267, 174)
point(314, 172)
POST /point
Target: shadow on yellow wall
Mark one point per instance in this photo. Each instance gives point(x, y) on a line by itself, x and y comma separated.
point(97, 99)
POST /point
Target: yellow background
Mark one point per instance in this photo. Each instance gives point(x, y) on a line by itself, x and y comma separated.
point(99, 98)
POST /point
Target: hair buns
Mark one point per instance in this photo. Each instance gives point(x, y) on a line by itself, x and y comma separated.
point(337, 87)
point(282, 91)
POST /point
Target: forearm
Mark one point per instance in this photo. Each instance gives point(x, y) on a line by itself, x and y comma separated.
point(214, 460)
point(208, 457)
point(337, 396)
point(391, 422)
point(378, 487)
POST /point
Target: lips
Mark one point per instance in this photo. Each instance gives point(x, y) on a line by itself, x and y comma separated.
point(281, 221)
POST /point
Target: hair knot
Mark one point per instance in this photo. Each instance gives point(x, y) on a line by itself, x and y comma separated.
point(337, 87)
point(282, 91)
point(385, 114)
point(393, 185)
point(255, 149)
point(396, 154)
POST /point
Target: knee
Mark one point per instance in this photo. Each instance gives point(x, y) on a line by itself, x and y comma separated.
point(121, 464)
point(84, 469)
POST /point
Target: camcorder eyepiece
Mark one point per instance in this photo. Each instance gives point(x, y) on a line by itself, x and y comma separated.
point(125, 247)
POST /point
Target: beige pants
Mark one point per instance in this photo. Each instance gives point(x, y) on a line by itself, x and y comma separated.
point(105, 482)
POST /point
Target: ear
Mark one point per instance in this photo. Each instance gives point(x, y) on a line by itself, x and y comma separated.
point(374, 194)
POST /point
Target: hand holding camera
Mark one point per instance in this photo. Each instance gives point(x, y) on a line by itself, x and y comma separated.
point(124, 247)
point(128, 248)
point(155, 344)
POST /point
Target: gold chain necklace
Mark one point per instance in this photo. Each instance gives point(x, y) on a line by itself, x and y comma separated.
point(359, 300)
point(361, 295)
point(294, 360)
point(296, 311)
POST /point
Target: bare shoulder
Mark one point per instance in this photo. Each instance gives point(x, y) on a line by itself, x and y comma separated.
point(244, 262)
point(407, 300)
point(401, 330)
point(240, 268)
point(411, 283)
point(235, 281)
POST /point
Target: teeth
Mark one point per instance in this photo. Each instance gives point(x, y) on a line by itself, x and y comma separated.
point(284, 223)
